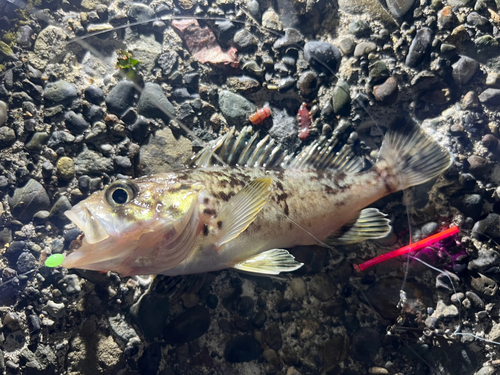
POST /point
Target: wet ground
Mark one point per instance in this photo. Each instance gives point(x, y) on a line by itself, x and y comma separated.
point(78, 112)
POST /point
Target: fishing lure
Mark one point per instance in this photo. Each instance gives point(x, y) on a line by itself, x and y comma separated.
point(304, 121)
point(407, 249)
point(259, 116)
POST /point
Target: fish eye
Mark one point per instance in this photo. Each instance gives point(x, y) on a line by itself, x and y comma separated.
point(121, 192)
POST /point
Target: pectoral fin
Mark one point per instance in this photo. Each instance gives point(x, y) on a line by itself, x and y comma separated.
point(242, 209)
point(270, 262)
point(370, 224)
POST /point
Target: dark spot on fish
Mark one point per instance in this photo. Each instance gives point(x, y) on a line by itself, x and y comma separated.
point(281, 197)
point(329, 190)
point(219, 224)
point(205, 229)
point(206, 200)
point(179, 188)
point(209, 211)
point(339, 180)
point(279, 185)
point(286, 208)
point(223, 196)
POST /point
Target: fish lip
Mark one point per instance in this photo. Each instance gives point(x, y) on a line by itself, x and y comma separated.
point(88, 223)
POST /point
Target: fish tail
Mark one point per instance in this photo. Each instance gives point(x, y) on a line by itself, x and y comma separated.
point(410, 157)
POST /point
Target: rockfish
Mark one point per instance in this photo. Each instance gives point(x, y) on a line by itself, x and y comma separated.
point(244, 213)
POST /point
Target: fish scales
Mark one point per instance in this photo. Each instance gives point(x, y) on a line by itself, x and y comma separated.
point(214, 217)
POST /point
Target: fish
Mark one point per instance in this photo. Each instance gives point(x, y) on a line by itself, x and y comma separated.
point(242, 201)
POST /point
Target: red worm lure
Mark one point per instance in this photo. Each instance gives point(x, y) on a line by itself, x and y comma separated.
point(407, 249)
point(304, 121)
point(260, 115)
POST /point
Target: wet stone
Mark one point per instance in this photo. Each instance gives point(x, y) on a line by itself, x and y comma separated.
point(244, 306)
point(398, 8)
point(140, 12)
point(470, 100)
point(242, 84)
point(273, 337)
point(464, 69)
point(244, 38)
point(71, 235)
point(484, 285)
point(188, 326)
point(57, 215)
point(57, 246)
point(26, 262)
point(235, 108)
point(65, 168)
point(4, 110)
point(59, 137)
point(322, 287)
point(387, 92)
point(446, 18)
point(271, 20)
point(490, 226)
point(364, 48)
point(120, 97)
point(55, 309)
point(322, 56)
point(242, 349)
point(153, 103)
point(490, 97)
point(259, 319)
point(292, 36)
point(60, 92)
point(419, 47)
point(341, 99)
point(29, 199)
point(469, 204)
point(7, 136)
point(92, 162)
point(307, 83)
point(70, 284)
point(478, 166)
point(485, 259)
point(34, 323)
point(359, 28)
point(94, 94)
point(12, 321)
point(365, 344)
point(298, 287)
point(486, 370)
point(346, 45)
point(475, 299)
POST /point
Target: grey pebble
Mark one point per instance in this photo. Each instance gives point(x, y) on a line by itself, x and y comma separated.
point(364, 48)
point(140, 12)
point(476, 19)
point(398, 8)
point(291, 37)
point(458, 3)
point(486, 370)
point(94, 94)
point(60, 92)
point(24, 35)
point(485, 259)
point(167, 61)
point(29, 199)
point(235, 108)
point(490, 97)
point(307, 83)
point(37, 141)
point(286, 83)
point(92, 162)
point(346, 45)
point(419, 47)
point(153, 103)
point(59, 137)
point(359, 28)
point(322, 56)
point(7, 136)
point(75, 122)
point(139, 129)
point(254, 8)
point(57, 212)
point(469, 204)
point(12, 321)
point(55, 309)
point(475, 299)
point(26, 262)
point(322, 287)
point(120, 97)
point(457, 298)
point(341, 99)
point(490, 226)
point(464, 69)
point(4, 110)
point(123, 162)
point(57, 246)
point(484, 285)
point(429, 228)
point(244, 38)
point(365, 344)
point(479, 167)
point(71, 284)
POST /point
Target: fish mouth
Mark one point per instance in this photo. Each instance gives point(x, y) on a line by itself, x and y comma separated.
point(89, 224)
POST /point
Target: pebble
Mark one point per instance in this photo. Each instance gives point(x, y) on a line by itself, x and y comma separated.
point(490, 97)
point(378, 371)
point(346, 46)
point(140, 12)
point(34, 323)
point(26, 262)
point(60, 92)
point(28, 200)
point(244, 38)
point(445, 18)
point(419, 47)
point(322, 56)
point(492, 79)
point(486, 370)
point(24, 35)
point(123, 162)
point(307, 83)
point(37, 141)
point(464, 69)
point(65, 168)
point(322, 287)
point(484, 285)
point(291, 37)
point(60, 137)
point(271, 20)
point(475, 299)
point(341, 99)
point(92, 162)
point(359, 28)
point(387, 92)
point(259, 319)
point(485, 259)
point(475, 19)
point(442, 311)
point(429, 228)
point(57, 246)
point(398, 8)
point(298, 287)
point(469, 204)
point(244, 306)
point(57, 215)
point(70, 284)
point(254, 8)
point(4, 110)
point(490, 142)
point(94, 94)
point(12, 321)
point(458, 3)
point(55, 309)
point(243, 348)
point(364, 48)
point(490, 226)
point(188, 326)
point(479, 167)
point(154, 104)
point(235, 108)
point(7, 136)
point(470, 100)
point(120, 97)
point(242, 84)
point(365, 344)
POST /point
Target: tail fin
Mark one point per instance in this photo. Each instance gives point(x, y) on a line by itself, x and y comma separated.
point(412, 157)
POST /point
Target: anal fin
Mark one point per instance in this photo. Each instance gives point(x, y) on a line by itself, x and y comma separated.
point(270, 262)
point(242, 209)
point(369, 225)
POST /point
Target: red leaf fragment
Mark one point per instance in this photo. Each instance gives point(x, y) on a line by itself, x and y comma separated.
point(202, 43)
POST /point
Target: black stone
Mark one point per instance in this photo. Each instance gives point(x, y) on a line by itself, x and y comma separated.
point(71, 235)
point(365, 344)
point(419, 48)
point(120, 97)
point(94, 94)
point(75, 122)
point(139, 129)
point(26, 262)
point(188, 326)
point(242, 348)
point(469, 204)
point(150, 360)
point(212, 301)
point(322, 56)
point(259, 319)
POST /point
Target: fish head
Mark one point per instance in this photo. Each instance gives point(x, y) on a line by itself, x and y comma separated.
point(129, 219)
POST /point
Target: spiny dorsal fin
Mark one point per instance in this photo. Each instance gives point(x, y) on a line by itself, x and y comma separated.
point(241, 210)
point(369, 225)
point(247, 149)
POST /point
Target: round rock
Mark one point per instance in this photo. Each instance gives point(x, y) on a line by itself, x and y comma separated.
point(60, 92)
point(120, 97)
point(464, 69)
point(242, 349)
point(235, 108)
point(28, 200)
point(322, 56)
point(419, 47)
point(4, 110)
point(154, 104)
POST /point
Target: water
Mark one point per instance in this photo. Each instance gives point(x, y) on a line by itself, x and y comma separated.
point(325, 318)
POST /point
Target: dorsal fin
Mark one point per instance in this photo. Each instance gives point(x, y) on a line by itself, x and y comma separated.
point(248, 149)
